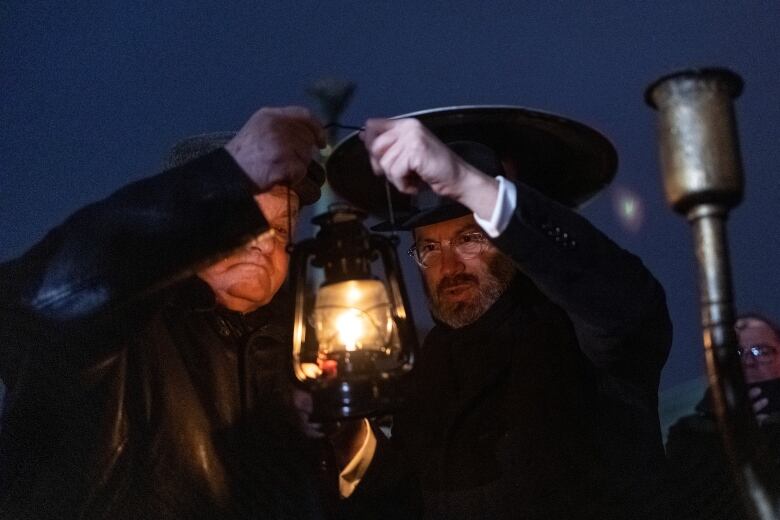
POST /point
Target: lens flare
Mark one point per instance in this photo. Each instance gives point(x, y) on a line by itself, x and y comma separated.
point(629, 207)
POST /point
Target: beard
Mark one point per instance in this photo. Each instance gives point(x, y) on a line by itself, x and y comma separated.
point(457, 314)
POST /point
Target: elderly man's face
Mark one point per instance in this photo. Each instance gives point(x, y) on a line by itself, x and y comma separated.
point(460, 290)
point(250, 276)
point(760, 350)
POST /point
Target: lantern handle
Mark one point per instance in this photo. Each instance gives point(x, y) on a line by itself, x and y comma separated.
point(390, 211)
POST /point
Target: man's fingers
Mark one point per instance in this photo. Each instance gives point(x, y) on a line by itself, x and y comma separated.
point(300, 120)
point(377, 142)
point(405, 180)
point(373, 128)
point(399, 170)
point(376, 166)
point(318, 133)
point(307, 128)
point(389, 161)
point(377, 145)
point(303, 151)
point(382, 143)
point(296, 171)
point(304, 405)
point(760, 404)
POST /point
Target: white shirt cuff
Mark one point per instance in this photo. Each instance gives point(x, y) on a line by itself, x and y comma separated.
point(502, 213)
point(350, 476)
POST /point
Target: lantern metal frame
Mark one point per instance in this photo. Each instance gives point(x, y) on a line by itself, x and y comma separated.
point(345, 250)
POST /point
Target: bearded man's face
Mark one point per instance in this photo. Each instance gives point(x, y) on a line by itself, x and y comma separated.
point(460, 290)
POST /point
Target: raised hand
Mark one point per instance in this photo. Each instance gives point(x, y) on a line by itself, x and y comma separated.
point(409, 155)
point(276, 145)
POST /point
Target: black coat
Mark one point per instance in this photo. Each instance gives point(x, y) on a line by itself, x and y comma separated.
point(545, 407)
point(703, 481)
point(131, 395)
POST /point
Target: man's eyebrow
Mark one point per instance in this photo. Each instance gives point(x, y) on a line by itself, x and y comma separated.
point(471, 226)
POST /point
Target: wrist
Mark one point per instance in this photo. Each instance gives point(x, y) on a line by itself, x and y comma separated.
point(477, 191)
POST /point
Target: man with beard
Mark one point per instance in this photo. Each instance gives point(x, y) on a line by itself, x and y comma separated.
point(535, 395)
point(146, 350)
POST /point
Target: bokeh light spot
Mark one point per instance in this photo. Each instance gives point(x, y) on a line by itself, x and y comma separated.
point(629, 207)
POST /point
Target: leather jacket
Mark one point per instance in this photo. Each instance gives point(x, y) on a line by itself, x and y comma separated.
point(130, 393)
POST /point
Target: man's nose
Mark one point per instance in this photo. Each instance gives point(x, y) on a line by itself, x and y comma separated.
point(451, 263)
point(265, 243)
point(748, 360)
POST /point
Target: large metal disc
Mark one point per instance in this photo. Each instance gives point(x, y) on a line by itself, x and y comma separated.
point(562, 158)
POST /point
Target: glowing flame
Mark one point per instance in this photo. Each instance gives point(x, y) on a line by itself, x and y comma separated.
point(351, 330)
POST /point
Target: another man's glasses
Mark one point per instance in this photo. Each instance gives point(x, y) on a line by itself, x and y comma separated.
point(467, 245)
point(761, 353)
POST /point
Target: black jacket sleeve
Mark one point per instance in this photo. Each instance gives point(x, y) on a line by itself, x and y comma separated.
point(617, 307)
point(109, 254)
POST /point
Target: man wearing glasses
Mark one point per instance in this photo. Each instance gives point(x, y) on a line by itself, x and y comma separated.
point(535, 395)
point(759, 338)
point(146, 350)
point(701, 473)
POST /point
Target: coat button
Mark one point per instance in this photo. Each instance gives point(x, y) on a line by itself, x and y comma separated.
point(224, 330)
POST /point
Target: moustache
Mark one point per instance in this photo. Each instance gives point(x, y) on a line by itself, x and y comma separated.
point(458, 279)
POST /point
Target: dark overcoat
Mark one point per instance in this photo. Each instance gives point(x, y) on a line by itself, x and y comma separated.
point(703, 483)
point(546, 406)
point(130, 394)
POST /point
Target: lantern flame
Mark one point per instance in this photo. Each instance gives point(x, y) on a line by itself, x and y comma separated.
point(350, 328)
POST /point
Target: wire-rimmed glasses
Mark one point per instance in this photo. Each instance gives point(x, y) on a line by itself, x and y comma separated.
point(467, 245)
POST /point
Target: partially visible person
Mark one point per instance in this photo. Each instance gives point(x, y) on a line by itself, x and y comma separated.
point(759, 340)
point(145, 342)
point(700, 471)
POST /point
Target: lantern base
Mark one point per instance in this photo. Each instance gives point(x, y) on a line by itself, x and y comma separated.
point(356, 399)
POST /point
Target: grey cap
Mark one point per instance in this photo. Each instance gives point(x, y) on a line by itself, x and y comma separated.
point(189, 148)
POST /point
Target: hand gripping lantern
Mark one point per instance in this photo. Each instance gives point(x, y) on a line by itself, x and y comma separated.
point(354, 341)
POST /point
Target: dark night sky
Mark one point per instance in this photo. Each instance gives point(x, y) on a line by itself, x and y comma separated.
point(93, 93)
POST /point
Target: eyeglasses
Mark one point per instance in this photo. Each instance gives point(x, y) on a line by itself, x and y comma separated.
point(468, 245)
point(278, 235)
point(761, 353)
